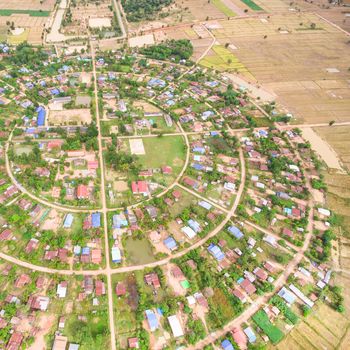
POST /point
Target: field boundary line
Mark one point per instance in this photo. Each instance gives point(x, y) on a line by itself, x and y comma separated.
point(304, 337)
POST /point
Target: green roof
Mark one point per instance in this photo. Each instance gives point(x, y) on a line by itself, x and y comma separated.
point(185, 284)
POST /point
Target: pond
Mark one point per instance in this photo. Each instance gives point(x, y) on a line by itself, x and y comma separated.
point(139, 251)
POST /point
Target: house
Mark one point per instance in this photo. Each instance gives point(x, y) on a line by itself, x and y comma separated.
point(6, 235)
point(96, 256)
point(236, 232)
point(96, 220)
point(152, 320)
point(287, 295)
point(177, 273)
point(287, 232)
point(269, 267)
point(170, 243)
point(238, 294)
point(31, 245)
point(175, 326)
point(36, 302)
point(167, 170)
point(100, 288)
point(226, 345)
point(250, 334)
point(152, 280)
point(88, 284)
point(82, 192)
point(188, 232)
point(176, 194)
point(60, 342)
point(116, 255)
point(15, 341)
point(68, 221)
point(260, 273)
point(133, 343)
point(239, 337)
point(62, 289)
point(22, 280)
point(248, 287)
point(140, 187)
point(120, 289)
point(216, 252)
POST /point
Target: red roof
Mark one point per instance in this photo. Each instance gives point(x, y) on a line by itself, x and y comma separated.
point(133, 343)
point(15, 341)
point(5, 235)
point(152, 279)
point(82, 192)
point(176, 194)
point(100, 288)
point(167, 169)
point(92, 164)
point(238, 294)
point(96, 256)
point(142, 187)
point(248, 287)
point(22, 280)
point(120, 289)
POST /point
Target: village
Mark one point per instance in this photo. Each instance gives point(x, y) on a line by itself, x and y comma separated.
point(148, 204)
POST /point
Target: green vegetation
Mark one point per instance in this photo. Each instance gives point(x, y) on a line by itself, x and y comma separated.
point(287, 312)
point(273, 332)
point(252, 5)
point(31, 13)
point(177, 49)
point(138, 10)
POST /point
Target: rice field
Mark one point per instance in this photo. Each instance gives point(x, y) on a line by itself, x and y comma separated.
point(223, 59)
point(223, 8)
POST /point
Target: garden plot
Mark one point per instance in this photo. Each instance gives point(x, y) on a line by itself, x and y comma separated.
point(136, 147)
point(70, 117)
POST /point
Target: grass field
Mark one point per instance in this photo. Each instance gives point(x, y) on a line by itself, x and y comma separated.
point(31, 13)
point(252, 5)
point(223, 8)
point(172, 152)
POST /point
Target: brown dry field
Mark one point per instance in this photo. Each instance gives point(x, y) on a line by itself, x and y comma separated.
point(34, 25)
point(82, 12)
point(46, 5)
point(323, 329)
point(338, 138)
point(333, 13)
point(69, 116)
point(294, 65)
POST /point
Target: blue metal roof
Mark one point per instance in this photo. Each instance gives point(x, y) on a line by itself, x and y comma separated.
point(152, 320)
point(170, 243)
point(236, 232)
point(68, 220)
point(226, 345)
point(96, 220)
point(250, 334)
point(41, 116)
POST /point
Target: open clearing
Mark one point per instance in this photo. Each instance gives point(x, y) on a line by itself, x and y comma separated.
point(136, 147)
point(322, 148)
point(100, 22)
point(70, 117)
